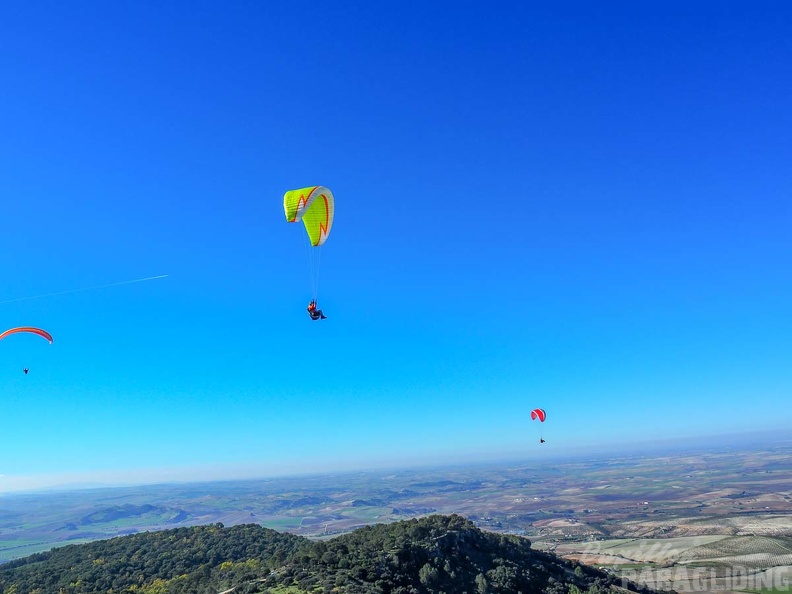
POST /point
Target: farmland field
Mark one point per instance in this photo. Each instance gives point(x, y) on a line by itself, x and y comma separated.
point(657, 519)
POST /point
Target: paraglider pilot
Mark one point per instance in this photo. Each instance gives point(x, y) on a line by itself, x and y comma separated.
point(316, 314)
point(26, 370)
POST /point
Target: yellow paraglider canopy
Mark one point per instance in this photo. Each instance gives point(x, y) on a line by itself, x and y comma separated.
point(314, 206)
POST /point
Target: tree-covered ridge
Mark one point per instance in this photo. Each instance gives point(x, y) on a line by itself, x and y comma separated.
point(430, 556)
point(188, 560)
point(437, 554)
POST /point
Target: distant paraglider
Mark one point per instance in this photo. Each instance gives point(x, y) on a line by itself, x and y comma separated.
point(46, 335)
point(31, 330)
point(315, 207)
point(541, 415)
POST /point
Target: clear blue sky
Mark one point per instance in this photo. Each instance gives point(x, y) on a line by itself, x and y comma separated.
point(583, 208)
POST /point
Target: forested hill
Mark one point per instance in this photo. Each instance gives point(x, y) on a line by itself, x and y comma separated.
point(432, 555)
point(194, 560)
point(438, 554)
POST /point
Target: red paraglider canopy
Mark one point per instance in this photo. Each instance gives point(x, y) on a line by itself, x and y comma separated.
point(538, 413)
point(39, 331)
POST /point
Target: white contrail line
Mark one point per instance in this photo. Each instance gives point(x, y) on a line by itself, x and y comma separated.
point(127, 282)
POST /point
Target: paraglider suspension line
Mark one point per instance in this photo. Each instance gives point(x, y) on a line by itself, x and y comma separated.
point(313, 256)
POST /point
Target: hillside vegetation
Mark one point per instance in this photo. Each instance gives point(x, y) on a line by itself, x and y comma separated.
point(432, 555)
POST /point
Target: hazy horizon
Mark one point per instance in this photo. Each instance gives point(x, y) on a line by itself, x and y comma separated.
point(740, 441)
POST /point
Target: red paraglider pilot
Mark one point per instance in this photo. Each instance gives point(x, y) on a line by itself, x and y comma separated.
point(316, 314)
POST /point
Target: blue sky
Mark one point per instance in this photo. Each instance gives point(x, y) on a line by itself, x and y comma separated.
point(580, 208)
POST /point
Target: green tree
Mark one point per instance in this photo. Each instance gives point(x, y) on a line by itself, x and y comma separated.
point(427, 575)
point(481, 584)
